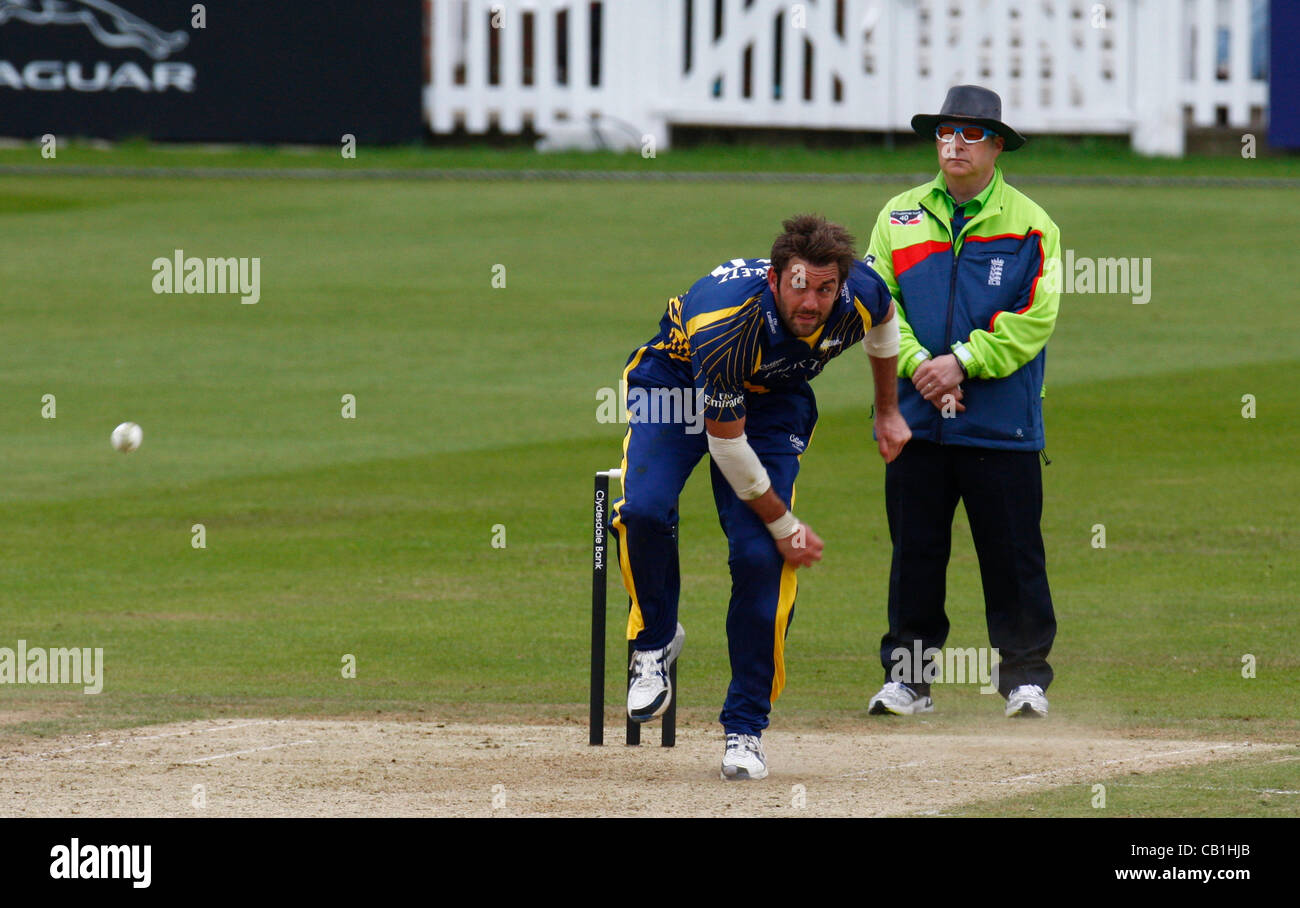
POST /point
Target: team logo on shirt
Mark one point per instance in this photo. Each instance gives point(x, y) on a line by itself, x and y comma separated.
point(729, 271)
point(725, 400)
point(829, 344)
point(995, 272)
point(908, 217)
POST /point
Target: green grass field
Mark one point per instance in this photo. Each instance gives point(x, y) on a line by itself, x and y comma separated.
point(476, 407)
point(1047, 155)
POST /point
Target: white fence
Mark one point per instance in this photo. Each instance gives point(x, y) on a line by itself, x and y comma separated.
point(1136, 67)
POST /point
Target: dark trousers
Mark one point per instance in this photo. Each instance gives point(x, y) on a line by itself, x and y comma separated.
point(1003, 495)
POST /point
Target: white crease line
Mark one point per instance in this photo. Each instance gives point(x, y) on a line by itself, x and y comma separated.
point(167, 734)
point(1105, 763)
point(240, 753)
point(864, 773)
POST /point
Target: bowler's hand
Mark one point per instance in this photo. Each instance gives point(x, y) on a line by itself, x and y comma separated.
point(803, 548)
point(892, 433)
point(937, 377)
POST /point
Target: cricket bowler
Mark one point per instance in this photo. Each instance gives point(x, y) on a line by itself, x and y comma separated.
point(744, 341)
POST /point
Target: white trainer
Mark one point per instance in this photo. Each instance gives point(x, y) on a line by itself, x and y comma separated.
point(650, 690)
point(743, 759)
point(1027, 700)
point(897, 699)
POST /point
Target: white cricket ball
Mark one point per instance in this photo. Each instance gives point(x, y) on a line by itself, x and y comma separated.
point(127, 437)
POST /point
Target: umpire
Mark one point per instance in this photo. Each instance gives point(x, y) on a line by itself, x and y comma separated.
point(964, 256)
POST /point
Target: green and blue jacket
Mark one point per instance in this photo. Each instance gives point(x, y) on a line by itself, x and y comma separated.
point(975, 282)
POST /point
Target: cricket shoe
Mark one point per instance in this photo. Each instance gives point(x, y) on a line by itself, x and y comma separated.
point(743, 759)
point(1027, 700)
point(650, 691)
point(897, 699)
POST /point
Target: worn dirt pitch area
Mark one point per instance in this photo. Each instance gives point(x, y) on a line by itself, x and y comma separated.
point(267, 767)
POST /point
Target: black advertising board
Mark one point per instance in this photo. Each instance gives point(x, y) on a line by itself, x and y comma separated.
point(232, 71)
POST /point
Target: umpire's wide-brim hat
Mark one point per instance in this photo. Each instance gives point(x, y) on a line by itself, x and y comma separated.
point(972, 104)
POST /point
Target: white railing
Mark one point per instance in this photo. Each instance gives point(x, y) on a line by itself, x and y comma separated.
point(1061, 66)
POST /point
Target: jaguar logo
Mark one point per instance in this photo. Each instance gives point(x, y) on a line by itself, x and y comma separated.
point(111, 25)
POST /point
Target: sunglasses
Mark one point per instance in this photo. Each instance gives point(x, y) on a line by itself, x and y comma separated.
point(970, 133)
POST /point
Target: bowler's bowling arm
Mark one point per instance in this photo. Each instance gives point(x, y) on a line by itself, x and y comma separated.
point(882, 345)
point(884, 360)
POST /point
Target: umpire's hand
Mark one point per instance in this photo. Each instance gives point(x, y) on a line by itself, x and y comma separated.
point(938, 377)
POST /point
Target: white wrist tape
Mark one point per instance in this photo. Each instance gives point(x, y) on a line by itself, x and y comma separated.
point(784, 526)
point(740, 465)
point(882, 340)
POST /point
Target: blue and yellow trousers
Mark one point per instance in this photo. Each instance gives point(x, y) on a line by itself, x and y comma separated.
point(658, 456)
